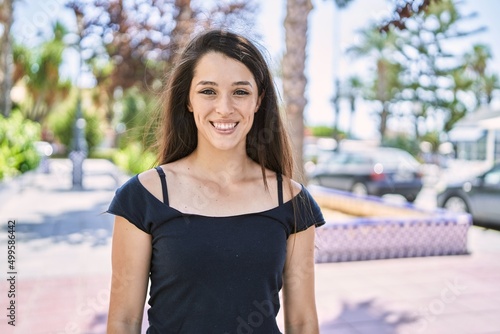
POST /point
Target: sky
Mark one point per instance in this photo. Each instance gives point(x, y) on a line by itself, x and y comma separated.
point(330, 33)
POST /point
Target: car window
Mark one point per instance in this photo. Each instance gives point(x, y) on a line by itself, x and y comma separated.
point(334, 159)
point(358, 159)
point(394, 159)
point(492, 178)
point(390, 158)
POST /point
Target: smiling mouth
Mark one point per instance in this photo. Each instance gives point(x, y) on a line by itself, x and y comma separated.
point(224, 126)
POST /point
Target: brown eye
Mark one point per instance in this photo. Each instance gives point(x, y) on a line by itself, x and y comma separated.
point(241, 92)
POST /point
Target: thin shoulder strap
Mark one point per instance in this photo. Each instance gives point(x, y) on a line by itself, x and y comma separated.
point(161, 173)
point(280, 188)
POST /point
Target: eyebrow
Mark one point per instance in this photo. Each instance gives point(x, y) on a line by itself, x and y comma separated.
point(211, 83)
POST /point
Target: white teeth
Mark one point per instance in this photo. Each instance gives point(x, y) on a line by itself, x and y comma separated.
point(224, 126)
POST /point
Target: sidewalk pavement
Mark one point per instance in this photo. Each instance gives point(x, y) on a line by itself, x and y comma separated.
point(62, 265)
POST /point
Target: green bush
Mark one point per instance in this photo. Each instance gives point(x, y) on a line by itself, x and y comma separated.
point(133, 159)
point(137, 116)
point(62, 123)
point(403, 142)
point(17, 149)
point(103, 153)
point(321, 131)
point(138, 112)
point(327, 131)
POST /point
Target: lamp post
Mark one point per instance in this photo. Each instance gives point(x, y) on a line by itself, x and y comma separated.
point(79, 148)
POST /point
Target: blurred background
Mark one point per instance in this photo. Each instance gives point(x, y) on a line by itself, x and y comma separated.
point(387, 101)
point(82, 80)
point(405, 74)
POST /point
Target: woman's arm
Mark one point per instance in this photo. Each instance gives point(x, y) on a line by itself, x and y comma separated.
point(130, 258)
point(298, 285)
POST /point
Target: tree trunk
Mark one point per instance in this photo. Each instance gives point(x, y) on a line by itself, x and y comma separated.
point(183, 27)
point(352, 102)
point(294, 79)
point(382, 96)
point(6, 57)
point(336, 112)
point(384, 115)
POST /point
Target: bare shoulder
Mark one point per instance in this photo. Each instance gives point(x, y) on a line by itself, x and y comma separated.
point(291, 188)
point(295, 187)
point(151, 181)
point(149, 177)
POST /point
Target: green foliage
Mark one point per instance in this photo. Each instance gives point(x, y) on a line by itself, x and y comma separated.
point(93, 131)
point(433, 138)
point(321, 131)
point(137, 115)
point(411, 66)
point(100, 153)
point(17, 150)
point(327, 131)
point(138, 112)
point(38, 69)
point(403, 142)
point(133, 159)
point(145, 46)
point(62, 123)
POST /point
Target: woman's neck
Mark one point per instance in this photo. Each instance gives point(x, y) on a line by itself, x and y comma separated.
point(230, 165)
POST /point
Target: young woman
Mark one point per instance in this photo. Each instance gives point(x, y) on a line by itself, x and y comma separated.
point(219, 228)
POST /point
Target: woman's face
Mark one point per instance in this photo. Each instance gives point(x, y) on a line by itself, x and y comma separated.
point(223, 98)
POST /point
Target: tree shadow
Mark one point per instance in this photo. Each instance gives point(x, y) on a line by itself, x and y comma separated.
point(98, 324)
point(91, 226)
point(367, 317)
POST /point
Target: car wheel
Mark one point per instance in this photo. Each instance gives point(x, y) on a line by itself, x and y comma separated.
point(410, 198)
point(359, 189)
point(456, 204)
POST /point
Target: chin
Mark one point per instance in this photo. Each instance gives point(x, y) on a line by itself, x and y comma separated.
point(229, 146)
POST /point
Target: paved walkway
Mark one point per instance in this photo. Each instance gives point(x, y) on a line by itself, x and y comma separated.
point(63, 269)
point(63, 244)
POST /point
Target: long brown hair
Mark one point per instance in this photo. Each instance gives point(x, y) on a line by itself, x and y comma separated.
point(267, 142)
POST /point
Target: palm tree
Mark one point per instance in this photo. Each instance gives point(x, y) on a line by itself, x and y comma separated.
point(40, 71)
point(336, 110)
point(457, 109)
point(6, 11)
point(354, 90)
point(477, 59)
point(476, 62)
point(376, 42)
point(294, 79)
point(491, 83)
point(379, 45)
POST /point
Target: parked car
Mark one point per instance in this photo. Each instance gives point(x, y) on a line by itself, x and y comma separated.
point(374, 171)
point(479, 196)
point(313, 150)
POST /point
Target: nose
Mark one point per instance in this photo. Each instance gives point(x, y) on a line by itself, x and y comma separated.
point(224, 105)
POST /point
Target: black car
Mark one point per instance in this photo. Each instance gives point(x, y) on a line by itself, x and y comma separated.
point(479, 196)
point(374, 171)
